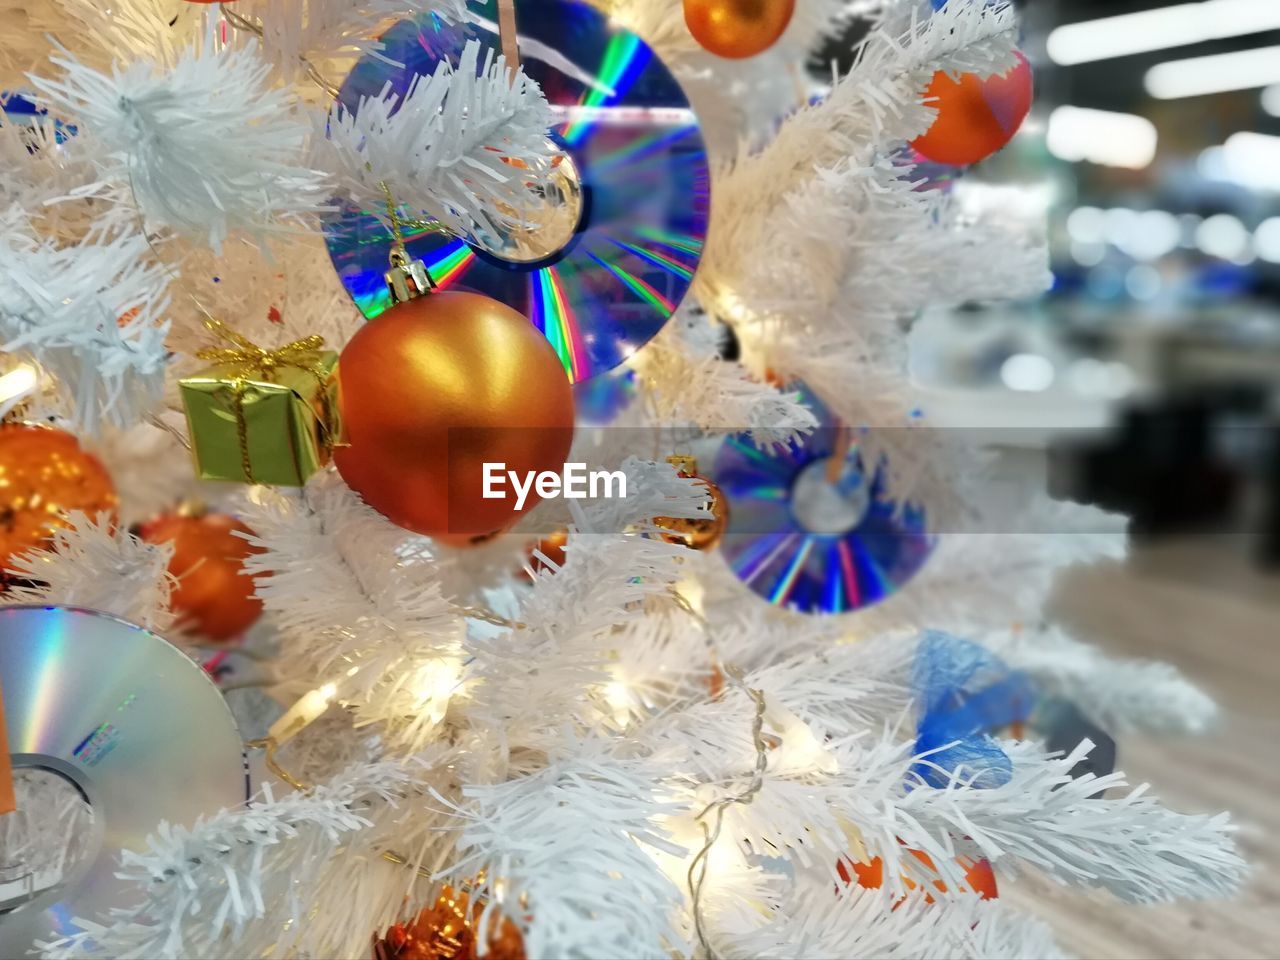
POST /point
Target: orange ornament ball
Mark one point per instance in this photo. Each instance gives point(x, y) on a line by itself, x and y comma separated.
point(976, 117)
point(736, 29)
point(434, 389)
point(552, 548)
point(213, 596)
point(44, 474)
point(449, 930)
point(979, 877)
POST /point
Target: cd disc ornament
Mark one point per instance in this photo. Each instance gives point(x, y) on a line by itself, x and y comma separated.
point(436, 388)
point(976, 117)
point(614, 250)
point(131, 722)
point(811, 528)
point(44, 474)
point(211, 595)
point(736, 29)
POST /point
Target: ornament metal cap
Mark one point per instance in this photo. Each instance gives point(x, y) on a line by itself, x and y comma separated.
point(685, 465)
point(407, 279)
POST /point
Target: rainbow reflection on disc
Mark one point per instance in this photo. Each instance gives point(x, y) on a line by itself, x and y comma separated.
point(802, 541)
point(613, 282)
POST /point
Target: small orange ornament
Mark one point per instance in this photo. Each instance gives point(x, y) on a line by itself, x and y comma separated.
point(976, 118)
point(434, 389)
point(697, 534)
point(44, 474)
point(979, 876)
point(551, 547)
point(735, 29)
point(213, 597)
point(447, 931)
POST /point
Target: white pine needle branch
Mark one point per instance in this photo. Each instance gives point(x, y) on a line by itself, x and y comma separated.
point(858, 924)
point(356, 606)
point(693, 386)
point(461, 146)
point(570, 846)
point(95, 564)
point(878, 104)
point(244, 881)
point(204, 146)
point(1119, 695)
point(90, 315)
point(1042, 818)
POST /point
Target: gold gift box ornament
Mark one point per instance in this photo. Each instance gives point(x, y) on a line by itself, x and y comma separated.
point(262, 416)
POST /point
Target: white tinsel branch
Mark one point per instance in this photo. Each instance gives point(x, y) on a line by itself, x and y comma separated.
point(356, 606)
point(816, 920)
point(569, 845)
point(241, 881)
point(95, 564)
point(90, 315)
point(203, 146)
point(878, 104)
point(1119, 695)
point(1042, 818)
point(689, 383)
point(461, 146)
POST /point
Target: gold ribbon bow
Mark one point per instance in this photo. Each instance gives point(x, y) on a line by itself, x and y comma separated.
point(251, 360)
point(302, 354)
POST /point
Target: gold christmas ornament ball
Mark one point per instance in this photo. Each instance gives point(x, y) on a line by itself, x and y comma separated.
point(431, 391)
point(44, 474)
point(697, 534)
point(736, 29)
point(448, 930)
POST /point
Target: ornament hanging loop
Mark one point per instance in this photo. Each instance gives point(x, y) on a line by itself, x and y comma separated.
point(408, 278)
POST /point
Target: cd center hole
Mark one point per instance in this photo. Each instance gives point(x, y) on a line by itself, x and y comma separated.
point(46, 839)
point(547, 224)
point(827, 508)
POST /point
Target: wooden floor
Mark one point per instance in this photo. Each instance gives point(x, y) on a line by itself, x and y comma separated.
point(1199, 604)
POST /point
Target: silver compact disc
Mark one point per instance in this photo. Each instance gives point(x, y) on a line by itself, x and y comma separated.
point(129, 722)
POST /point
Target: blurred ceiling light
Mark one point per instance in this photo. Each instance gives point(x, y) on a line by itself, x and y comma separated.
point(18, 382)
point(1198, 76)
point(1143, 282)
point(1093, 377)
point(1225, 237)
point(1271, 100)
point(1087, 225)
point(1088, 253)
point(1249, 159)
point(1102, 137)
point(1149, 235)
point(1160, 29)
point(1008, 201)
point(1027, 373)
point(1266, 240)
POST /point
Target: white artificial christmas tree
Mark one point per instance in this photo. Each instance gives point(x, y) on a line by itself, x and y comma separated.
point(626, 754)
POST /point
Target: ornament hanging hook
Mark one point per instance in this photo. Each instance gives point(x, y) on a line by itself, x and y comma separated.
point(408, 278)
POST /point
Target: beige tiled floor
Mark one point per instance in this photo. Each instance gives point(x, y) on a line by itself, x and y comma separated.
point(1197, 603)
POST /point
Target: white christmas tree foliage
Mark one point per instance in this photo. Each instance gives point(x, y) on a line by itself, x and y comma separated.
point(622, 754)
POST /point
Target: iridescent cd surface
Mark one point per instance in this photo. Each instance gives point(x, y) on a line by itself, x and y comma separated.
point(812, 537)
point(134, 725)
point(640, 157)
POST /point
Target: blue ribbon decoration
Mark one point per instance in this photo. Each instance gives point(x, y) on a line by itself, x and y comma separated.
point(964, 692)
